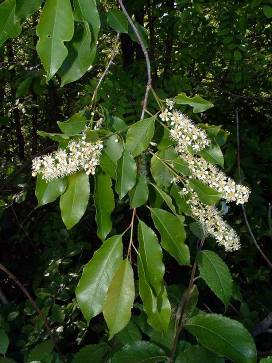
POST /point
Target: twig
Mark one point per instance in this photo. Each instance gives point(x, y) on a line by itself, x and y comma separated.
point(113, 55)
point(243, 208)
point(131, 226)
point(147, 60)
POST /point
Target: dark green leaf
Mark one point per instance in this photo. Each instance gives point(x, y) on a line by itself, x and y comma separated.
point(126, 174)
point(47, 192)
point(41, 353)
point(104, 204)
point(92, 353)
point(4, 342)
point(267, 9)
point(198, 103)
point(97, 276)
point(23, 88)
point(74, 201)
point(206, 194)
point(139, 135)
point(197, 354)
point(161, 172)
point(140, 352)
point(223, 336)
point(139, 194)
point(9, 26)
point(118, 21)
point(112, 152)
point(74, 125)
point(172, 233)
point(120, 298)
point(165, 197)
point(180, 200)
point(215, 273)
point(213, 155)
point(129, 334)
point(197, 230)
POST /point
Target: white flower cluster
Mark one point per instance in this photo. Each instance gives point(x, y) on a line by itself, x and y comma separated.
point(79, 155)
point(213, 224)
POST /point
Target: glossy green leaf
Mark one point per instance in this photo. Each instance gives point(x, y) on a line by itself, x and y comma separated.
point(74, 201)
point(74, 125)
point(9, 26)
point(267, 10)
point(206, 194)
point(25, 8)
point(92, 353)
point(198, 103)
point(80, 56)
point(151, 257)
point(139, 195)
point(111, 153)
point(139, 135)
point(4, 342)
point(120, 298)
point(117, 21)
point(97, 275)
point(213, 155)
point(126, 174)
point(165, 197)
point(223, 336)
point(215, 273)
point(53, 31)
point(104, 204)
point(172, 233)
point(139, 352)
point(198, 354)
point(48, 192)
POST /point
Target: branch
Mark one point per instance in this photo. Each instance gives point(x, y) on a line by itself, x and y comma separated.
point(147, 60)
point(243, 208)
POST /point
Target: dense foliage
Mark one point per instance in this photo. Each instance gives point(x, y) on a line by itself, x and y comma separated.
point(112, 200)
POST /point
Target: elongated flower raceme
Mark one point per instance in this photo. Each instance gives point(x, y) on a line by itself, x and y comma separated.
point(79, 155)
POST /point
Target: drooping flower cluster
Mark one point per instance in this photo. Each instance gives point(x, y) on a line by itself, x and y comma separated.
point(79, 155)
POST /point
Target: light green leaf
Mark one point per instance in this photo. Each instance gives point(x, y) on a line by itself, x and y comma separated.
point(198, 103)
point(267, 10)
point(213, 155)
point(74, 125)
point(120, 298)
point(223, 336)
point(139, 195)
point(139, 352)
point(117, 21)
point(215, 273)
point(4, 342)
point(41, 353)
point(206, 194)
point(126, 174)
point(111, 153)
point(48, 192)
point(80, 56)
point(197, 354)
point(104, 204)
point(9, 26)
point(86, 10)
point(139, 135)
point(56, 26)
point(172, 233)
point(92, 353)
point(25, 8)
point(97, 275)
point(165, 197)
point(74, 201)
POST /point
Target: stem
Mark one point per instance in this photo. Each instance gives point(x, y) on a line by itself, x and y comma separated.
point(131, 226)
point(243, 208)
point(147, 60)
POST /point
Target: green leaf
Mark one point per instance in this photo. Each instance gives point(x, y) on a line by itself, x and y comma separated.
point(55, 137)
point(25, 8)
point(223, 336)
point(92, 353)
point(198, 103)
point(180, 200)
point(86, 10)
point(142, 31)
point(206, 194)
point(165, 197)
point(74, 125)
point(111, 153)
point(172, 233)
point(197, 230)
point(213, 155)
point(80, 57)
point(97, 275)
point(129, 334)
point(118, 21)
point(139, 135)
point(74, 201)
point(104, 204)
point(197, 354)
point(4, 342)
point(48, 192)
point(161, 173)
point(41, 353)
point(126, 174)
point(139, 195)
point(267, 10)
point(24, 86)
point(120, 298)
point(9, 26)
point(53, 31)
point(139, 352)
point(215, 273)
